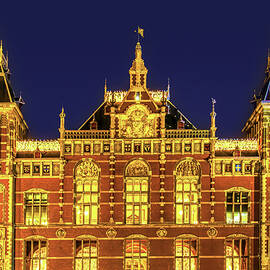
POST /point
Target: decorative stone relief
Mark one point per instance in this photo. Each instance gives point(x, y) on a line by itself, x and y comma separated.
point(137, 168)
point(188, 167)
point(60, 233)
point(162, 232)
point(87, 168)
point(111, 233)
point(212, 232)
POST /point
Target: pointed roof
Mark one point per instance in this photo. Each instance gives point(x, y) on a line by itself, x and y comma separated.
point(6, 92)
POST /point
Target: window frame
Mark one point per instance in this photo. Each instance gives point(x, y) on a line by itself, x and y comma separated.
point(234, 238)
point(140, 239)
point(190, 239)
point(233, 203)
point(34, 205)
point(90, 240)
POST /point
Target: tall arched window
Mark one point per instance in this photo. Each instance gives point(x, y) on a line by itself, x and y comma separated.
point(36, 254)
point(137, 185)
point(86, 192)
point(237, 252)
point(186, 252)
point(187, 176)
point(86, 255)
point(136, 253)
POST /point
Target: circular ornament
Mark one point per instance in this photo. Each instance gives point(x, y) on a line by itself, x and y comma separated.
point(212, 232)
point(60, 233)
point(162, 232)
point(111, 233)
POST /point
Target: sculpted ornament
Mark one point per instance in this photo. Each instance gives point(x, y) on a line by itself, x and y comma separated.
point(212, 232)
point(188, 168)
point(60, 233)
point(87, 169)
point(137, 168)
point(111, 233)
point(137, 123)
point(162, 232)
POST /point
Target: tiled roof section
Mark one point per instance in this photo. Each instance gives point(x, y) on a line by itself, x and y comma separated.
point(103, 120)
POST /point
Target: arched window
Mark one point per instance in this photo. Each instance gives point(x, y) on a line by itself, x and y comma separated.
point(136, 253)
point(237, 205)
point(86, 192)
point(137, 185)
point(187, 175)
point(36, 207)
point(237, 254)
point(36, 254)
point(86, 257)
point(2, 203)
point(186, 253)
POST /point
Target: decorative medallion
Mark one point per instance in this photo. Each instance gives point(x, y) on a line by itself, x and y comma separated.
point(188, 167)
point(87, 168)
point(218, 168)
point(212, 232)
point(162, 232)
point(111, 233)
point(60, 233)
point(137, 168)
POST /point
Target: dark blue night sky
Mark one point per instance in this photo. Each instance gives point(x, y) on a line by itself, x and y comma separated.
point(60, 53)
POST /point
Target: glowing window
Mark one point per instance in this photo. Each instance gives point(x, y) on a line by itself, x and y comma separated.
point(136, 254)
point(187, 192)
point(137, 192)
point(36, 208)
point(86, 193)
point(186, 254)
point(2, 203)
point(237, 255)
point(86, 255)
point(36, 255)
point(186, 202)
point(237, 207)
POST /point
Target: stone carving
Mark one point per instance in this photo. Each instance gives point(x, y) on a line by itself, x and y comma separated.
point(188, 167)
point(137, 123)
point(137, 168)
point(212, 232)
point(87, 168)
point(111, 233)
point(161, 232)
point(60, 233)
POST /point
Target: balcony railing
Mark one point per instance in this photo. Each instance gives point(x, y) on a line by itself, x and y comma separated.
point(87, 134)
point(187, 133)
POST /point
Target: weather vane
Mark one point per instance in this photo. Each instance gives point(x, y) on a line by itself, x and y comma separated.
point(139, 33)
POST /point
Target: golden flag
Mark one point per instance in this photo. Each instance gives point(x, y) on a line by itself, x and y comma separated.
point(140, 31)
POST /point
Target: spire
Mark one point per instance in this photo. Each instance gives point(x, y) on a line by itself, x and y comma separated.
point(168, 90)
point(138, 71)
point(62, 116)
point(213, 120)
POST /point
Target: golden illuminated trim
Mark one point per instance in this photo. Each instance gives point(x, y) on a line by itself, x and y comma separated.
point(44, 146)
point(232, 144)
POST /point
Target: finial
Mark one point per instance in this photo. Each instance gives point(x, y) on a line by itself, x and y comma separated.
point(62, 114)
point(213, 104)
point(168, 89)
point(105, 86)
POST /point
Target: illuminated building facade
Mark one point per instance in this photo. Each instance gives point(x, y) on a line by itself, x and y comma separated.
point(136, 187)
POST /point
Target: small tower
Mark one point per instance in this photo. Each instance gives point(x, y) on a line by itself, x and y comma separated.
point(138, 71)
point(213, 120)
point(62, 116)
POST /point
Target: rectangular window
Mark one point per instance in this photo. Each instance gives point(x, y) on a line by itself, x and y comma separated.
point(136, 201)
point(36, 255)
point(237, 207)
point(237, 255)
point(36, 206)
point(136, 254)
point(186, 254)
point(86, 256)
point(186, 203)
